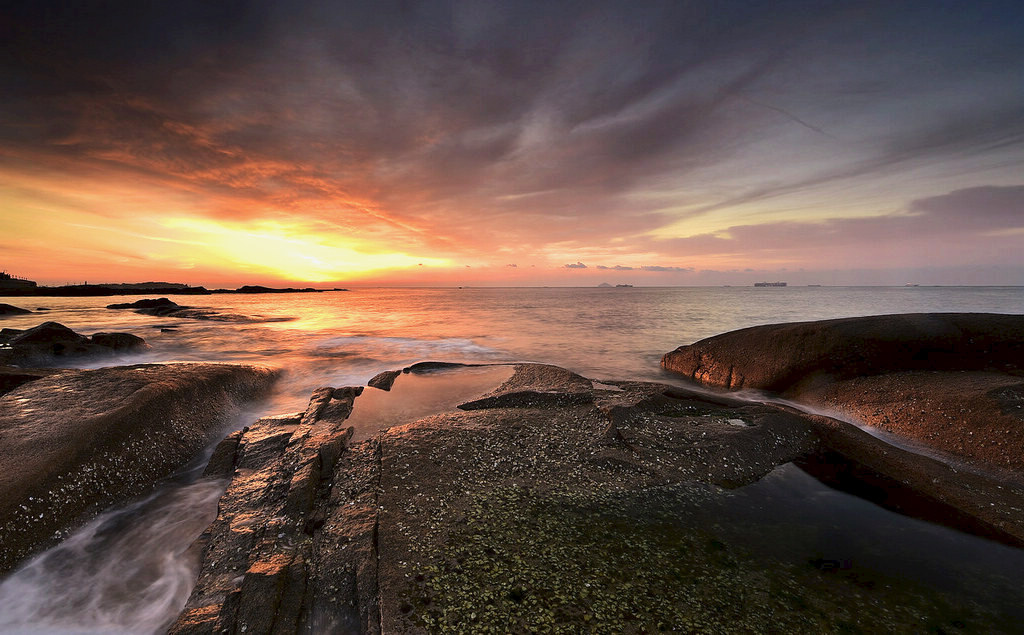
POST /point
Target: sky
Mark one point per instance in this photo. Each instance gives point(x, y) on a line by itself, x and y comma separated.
point(512, 143)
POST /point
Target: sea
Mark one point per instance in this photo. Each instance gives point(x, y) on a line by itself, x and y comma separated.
point(341, 338)
point(129, 570)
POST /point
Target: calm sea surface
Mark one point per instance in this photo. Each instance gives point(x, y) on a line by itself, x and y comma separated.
point(346, 337)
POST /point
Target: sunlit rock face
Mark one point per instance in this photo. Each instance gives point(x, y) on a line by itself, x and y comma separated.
point(75, 442)
point(950, 381)
point(786, 357)
point(544, 500)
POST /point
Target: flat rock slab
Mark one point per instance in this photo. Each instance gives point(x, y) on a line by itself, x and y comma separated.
point(527, 514)
point(75, 442)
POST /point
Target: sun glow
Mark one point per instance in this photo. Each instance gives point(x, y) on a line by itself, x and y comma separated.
point(292, 252)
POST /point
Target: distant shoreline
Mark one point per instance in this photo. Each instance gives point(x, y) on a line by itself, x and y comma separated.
point(96, 290)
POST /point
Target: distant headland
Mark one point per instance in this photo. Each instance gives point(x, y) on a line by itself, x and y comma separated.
point(11, 285)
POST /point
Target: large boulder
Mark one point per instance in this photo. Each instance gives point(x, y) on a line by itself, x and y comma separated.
point(785, 357)
point(10, 309)
point(13, 376)
point(160, 307)
point(949, 381)
point(51, 342)
point(119, 341)
point(550, 503)
point(75, 442)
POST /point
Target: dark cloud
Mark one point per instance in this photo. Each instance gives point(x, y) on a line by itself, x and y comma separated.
point(578, 265)
point(462, 125)
point(973, 224)
point(976, 207)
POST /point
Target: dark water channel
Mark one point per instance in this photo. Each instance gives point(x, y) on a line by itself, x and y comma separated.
point(791, 516)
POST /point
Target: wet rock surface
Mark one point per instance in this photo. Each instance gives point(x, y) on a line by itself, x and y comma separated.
point(76, 441)
point(165, 307)
point(948, 381)
point(550, 503)
point(384, 380)
point(787, 357)
point(259, 570)
point(975, 416)
point(10, 309)
point(51, 342)
point(13, 376)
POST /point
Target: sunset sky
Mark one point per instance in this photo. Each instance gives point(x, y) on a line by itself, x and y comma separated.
point(512, 143)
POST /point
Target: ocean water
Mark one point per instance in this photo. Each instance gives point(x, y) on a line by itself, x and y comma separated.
point(131, 569)
point(345, 337)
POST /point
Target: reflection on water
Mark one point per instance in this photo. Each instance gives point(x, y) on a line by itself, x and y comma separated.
point(128, 571)
point(818, 523)
point(422, 394)
point(792, 518)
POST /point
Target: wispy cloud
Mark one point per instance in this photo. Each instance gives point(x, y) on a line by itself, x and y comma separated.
point(658, 132)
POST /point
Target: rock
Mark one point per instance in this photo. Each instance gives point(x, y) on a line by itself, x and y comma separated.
point(932, 378)
point(426, 367)
point(786, 357)
point(148, 303)
point(12, 376)
point(52, 341)
point(258, 580)
point(495, 515)
point(537, 386)
point(259, 289)
point(76, 442)
point(164, 307)
point(8, 309)
point(384, 380)
point(42, 308)
point(120, 341)
point(972, 415)
point(331, 547)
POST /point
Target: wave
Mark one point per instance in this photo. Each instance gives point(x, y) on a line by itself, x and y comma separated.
point(402, 348)
point(127, 571)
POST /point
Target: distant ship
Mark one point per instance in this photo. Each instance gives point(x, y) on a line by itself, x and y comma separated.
point(769, 284)
point(623, 285)
point(7, 281)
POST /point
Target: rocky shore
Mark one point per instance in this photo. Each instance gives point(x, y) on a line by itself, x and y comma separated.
point(74, 442)
point(953, 382)
point(51, 342)
point(165, 307)
point(551, 501)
